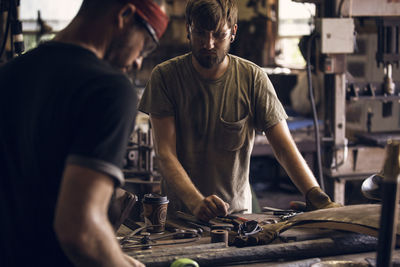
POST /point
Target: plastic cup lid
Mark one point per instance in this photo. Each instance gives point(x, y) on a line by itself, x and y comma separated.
point(155, 198)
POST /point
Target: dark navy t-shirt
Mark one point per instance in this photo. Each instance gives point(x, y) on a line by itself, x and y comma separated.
point(59, 104)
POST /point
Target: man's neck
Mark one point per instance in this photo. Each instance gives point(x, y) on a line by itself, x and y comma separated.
point(75, 34)
point(212, 73)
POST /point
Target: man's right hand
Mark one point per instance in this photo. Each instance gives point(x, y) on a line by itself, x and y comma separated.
point(211, 207)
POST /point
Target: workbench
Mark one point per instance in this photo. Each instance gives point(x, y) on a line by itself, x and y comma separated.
point(294, 247)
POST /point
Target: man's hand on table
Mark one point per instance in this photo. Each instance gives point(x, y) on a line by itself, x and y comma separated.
point(317, 199)
point(211, 207)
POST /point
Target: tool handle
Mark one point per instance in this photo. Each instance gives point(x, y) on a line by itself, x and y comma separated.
point(235, 217)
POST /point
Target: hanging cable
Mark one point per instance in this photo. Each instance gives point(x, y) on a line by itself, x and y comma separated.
point(3, 45)
point(314, 111)
point(16, 28)
point(15, 25)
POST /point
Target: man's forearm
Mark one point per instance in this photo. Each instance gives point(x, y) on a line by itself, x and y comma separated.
point(171, 169)
point(289, 157)
point(81, 222)
point(95, 246)
point(296, 167)
point(298, 171)
point(175, 175)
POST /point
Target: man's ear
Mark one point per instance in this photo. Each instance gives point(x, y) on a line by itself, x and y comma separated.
point(233, 34)
point(125, 15)
point(234, 29)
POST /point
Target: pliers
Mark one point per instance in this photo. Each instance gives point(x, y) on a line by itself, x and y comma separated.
point(242, 226)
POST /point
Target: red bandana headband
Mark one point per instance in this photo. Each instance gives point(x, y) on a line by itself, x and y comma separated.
point(153, 15)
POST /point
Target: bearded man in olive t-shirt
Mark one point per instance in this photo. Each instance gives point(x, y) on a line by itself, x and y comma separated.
point(205, 107)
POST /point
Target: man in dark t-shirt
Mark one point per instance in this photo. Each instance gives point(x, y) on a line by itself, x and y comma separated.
point(66, 111)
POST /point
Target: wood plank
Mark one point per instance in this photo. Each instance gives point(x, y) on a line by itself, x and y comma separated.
point(349, 243)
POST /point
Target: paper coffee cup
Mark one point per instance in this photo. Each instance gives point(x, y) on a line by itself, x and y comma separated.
point(155, 212)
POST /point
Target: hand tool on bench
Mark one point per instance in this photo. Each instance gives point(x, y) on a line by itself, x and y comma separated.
point(243, 228)
point(281, 213)
point(175, 227)
point(192, 220)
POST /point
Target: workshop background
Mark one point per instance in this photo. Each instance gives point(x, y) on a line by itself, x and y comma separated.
point(355, 81)
point(335, 67)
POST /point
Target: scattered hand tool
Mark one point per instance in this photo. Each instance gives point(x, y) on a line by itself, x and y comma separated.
point(199, 228)
point(285, 214)
point(298, 205)
point(191, 218)
point(174, 227)
point(242, 226)
point(146, 241)
point(206, 226)
point(275, 211)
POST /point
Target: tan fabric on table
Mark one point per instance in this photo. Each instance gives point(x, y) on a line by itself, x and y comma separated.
point(215, 123)
point(362, 218)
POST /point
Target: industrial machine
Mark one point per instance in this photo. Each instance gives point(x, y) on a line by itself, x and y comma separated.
point(362, 115)
point(362, 87)
point(373, 107)
point(139, 156)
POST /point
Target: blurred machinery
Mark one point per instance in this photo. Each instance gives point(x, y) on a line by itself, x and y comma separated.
point(140, 156)
point(141, 175)
point(360, 113)
point(11, 29)
point(361, 116)
point(365, 112)
point(373, 107)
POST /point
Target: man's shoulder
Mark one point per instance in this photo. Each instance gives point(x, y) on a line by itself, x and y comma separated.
point(242, 62)
point(72, 56)
point(175, 62)
point(85, 65)
point(245, 65)
point(81, 68)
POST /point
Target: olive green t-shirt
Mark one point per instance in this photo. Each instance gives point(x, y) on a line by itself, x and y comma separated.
point(215, 123)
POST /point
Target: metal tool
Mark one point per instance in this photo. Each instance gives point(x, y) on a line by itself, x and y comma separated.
point(289, 215)
point(146, 241)
point(276, 211)
point(191, 218)
point(243, 226)
point(175, 227)
point(206, 226)
point(283, 214)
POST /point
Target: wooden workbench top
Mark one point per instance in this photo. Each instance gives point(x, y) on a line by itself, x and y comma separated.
point(302, 245)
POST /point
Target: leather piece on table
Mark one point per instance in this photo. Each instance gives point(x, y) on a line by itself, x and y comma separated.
point(364, 219)
point(121, 204)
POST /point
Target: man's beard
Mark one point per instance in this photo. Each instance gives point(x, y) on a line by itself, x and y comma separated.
point(209, 59)
point(113, 58)
point(116, 53)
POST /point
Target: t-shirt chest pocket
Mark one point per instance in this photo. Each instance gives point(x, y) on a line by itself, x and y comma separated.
point(232, 135)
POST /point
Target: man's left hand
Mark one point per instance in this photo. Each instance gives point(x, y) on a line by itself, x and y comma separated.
point(317, 199)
